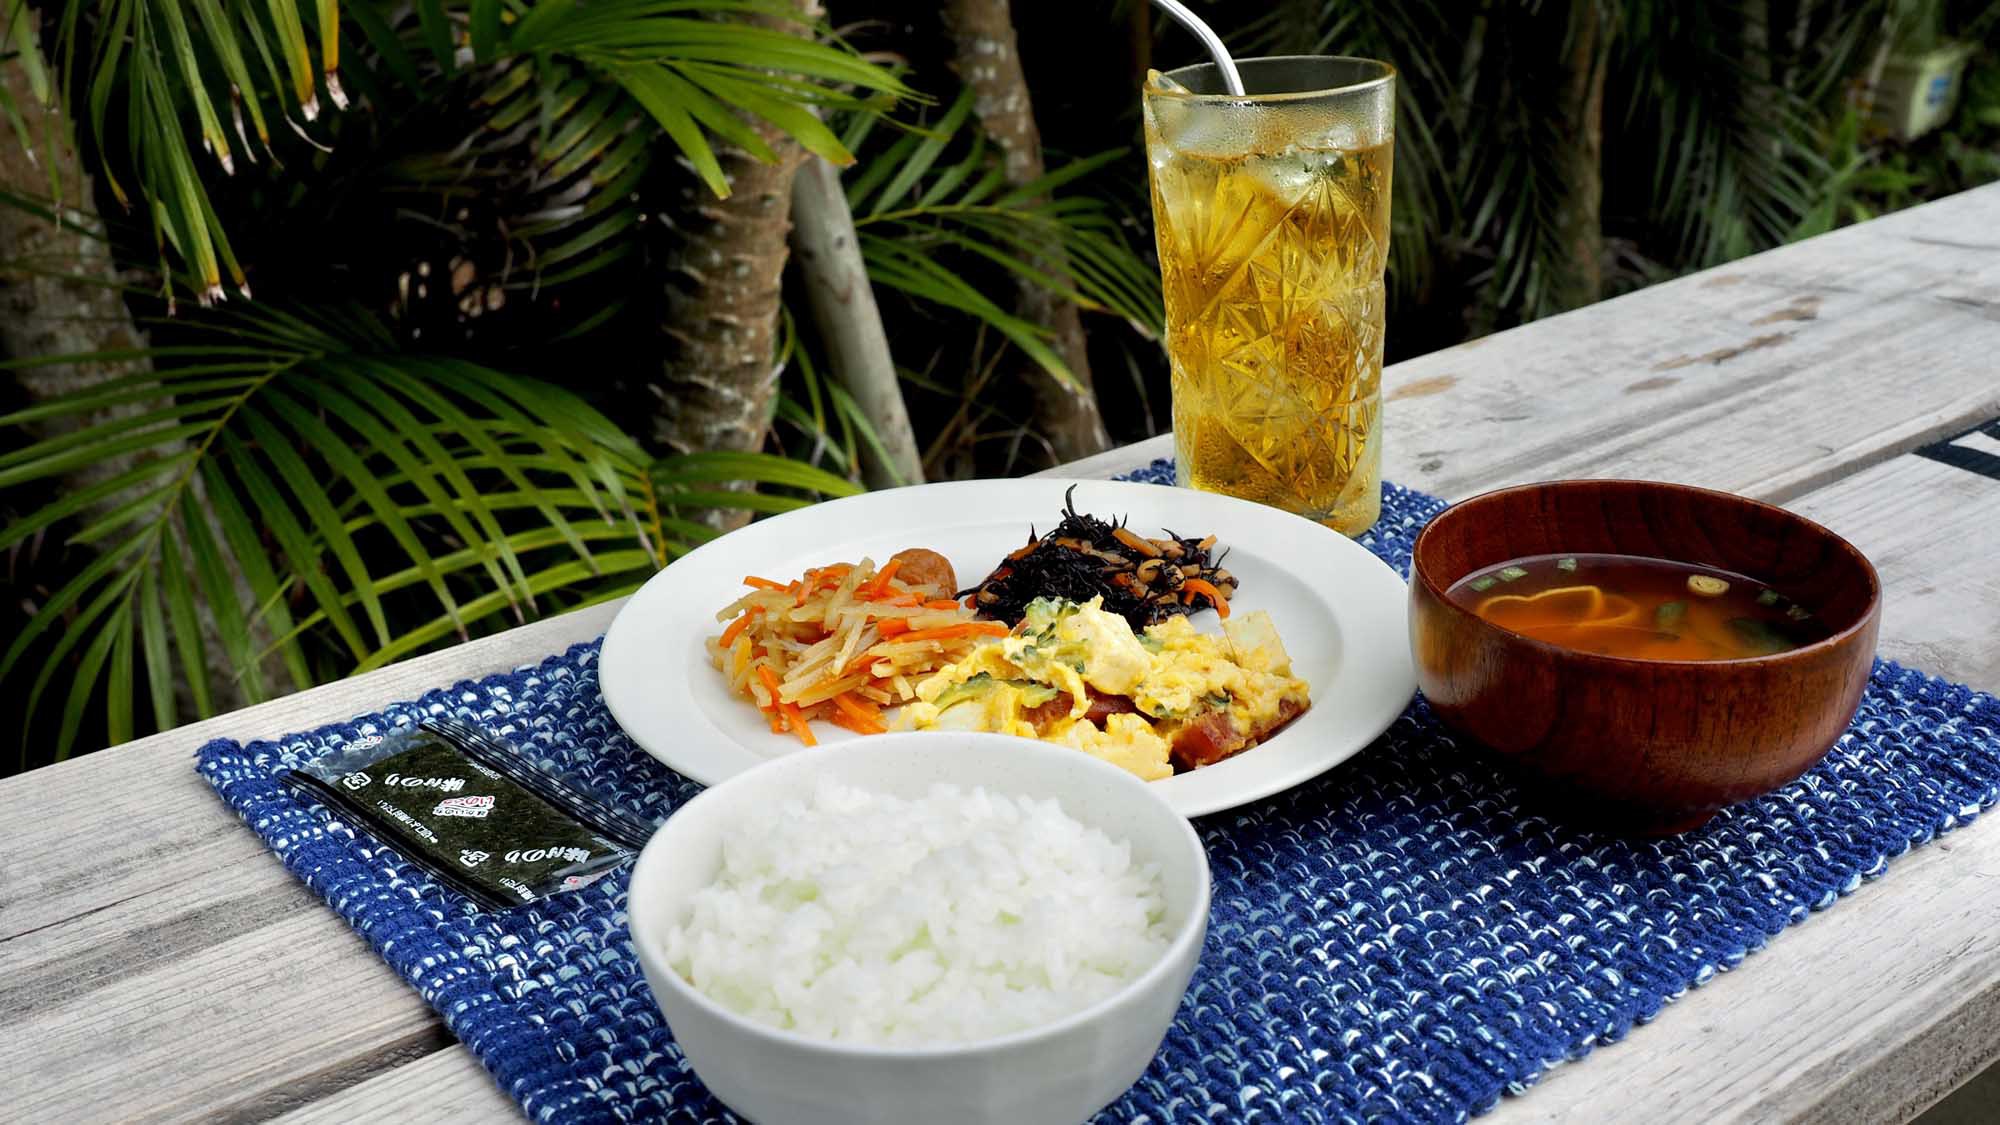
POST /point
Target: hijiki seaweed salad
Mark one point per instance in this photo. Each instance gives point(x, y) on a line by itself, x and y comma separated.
point(1143, 580)
point(1079, 637)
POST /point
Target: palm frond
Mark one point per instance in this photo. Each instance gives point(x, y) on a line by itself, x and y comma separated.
point(554, 163)
point(346, 504)
point(933, 211)
point(1736, 112)
point(21, 45)
point(156, 66)
point(166, 75)
point(806, 407)
point(701, 77)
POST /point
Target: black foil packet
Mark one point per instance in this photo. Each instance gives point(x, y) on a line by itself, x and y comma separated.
point(474, 812)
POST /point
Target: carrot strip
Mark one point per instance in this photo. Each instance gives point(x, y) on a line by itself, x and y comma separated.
point(1206, 589)
point(1133, 540)
point(764, 583)
point(825, 578)
point(770, 683)
point(737, 626)
point(881, 580)
point(963, 629)
point(799, 725)
point(893, 626)
point(857, 710)
point(941, 605)
point(858, 726)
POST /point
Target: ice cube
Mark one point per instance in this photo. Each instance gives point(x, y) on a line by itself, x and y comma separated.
point(1342, 133)
point(1286, 175)
point(1180, 125)
point(1193, 129)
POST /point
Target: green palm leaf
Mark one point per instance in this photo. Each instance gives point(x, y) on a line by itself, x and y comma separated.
point(1739, 111)
point(937, 222)
point(176, 81)
point(155, 67)
point(333, 506)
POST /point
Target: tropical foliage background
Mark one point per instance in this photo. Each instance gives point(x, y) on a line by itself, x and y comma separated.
point(335, 332)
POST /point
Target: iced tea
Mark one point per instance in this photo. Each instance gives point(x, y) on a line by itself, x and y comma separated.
point(1273, 230)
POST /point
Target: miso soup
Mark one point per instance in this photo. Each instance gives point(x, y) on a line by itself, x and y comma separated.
point(1643, 608)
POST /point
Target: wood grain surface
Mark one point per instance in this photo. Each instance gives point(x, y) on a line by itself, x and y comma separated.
point(159, 964)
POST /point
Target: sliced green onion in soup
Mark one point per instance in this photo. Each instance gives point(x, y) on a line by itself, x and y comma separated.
point(1667, 618)
point(1758, 636)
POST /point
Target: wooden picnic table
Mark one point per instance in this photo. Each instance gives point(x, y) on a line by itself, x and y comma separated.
point(157, 962)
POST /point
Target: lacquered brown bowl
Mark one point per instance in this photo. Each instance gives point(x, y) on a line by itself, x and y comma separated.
point(1645, 747)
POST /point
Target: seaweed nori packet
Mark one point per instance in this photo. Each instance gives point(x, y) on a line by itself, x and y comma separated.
point(474, 812)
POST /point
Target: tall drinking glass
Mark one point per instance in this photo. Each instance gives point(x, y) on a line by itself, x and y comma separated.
point(1272, 214)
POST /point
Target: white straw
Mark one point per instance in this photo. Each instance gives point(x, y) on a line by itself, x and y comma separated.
point(1231, 81)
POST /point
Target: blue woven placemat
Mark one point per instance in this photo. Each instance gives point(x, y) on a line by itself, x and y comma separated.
point(1397, 940)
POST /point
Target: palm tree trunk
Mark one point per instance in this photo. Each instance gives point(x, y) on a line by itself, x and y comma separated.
point(1139, 42)
point(850, 325)
point(718, 384)
point(58, 284)
point(1582, 225)
point(987, 58)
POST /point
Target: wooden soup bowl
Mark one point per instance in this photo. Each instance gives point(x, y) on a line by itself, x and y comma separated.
point(1643, 747)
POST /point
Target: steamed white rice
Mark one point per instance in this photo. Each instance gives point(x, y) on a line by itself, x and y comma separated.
point(962, 915)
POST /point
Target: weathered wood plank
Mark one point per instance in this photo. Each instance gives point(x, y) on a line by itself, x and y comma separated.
point(153, 1011)
point(1768, 376)
point(1114, 462)
point(1933, 533)
point(442, 1087)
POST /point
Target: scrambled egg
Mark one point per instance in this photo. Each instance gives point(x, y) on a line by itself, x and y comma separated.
point(1076, 675)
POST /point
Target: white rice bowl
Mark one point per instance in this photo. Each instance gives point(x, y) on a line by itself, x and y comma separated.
point(961, 915)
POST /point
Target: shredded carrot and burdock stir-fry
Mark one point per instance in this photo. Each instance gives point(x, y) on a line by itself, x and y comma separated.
point(845, 641)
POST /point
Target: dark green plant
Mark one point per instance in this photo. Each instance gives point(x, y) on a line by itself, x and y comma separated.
point(373, 501)
point(155, 64)
point(937, 194)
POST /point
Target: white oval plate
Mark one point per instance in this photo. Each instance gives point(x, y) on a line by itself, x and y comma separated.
point(1341, 611)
